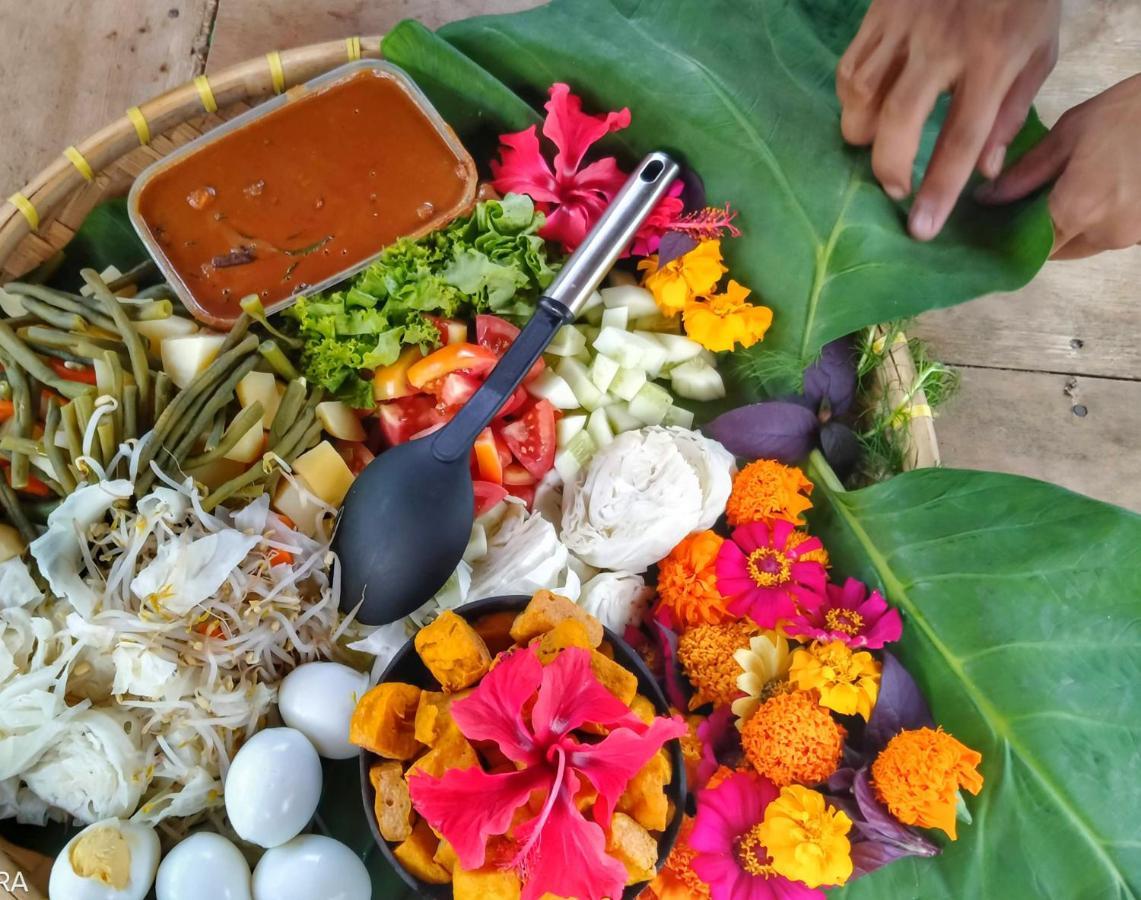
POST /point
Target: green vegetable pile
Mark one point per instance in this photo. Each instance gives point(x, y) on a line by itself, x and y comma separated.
point(491, 261)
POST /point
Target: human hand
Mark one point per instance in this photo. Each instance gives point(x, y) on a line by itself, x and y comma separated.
point(1093, 153)
point(992, 54)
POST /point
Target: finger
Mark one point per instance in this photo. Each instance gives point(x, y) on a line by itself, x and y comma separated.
point(1075, 248)
point(969, 121)
point(1014, 110)
point(865, 91)
point(1071, 209)
point(865, 41)
point(1040, 165)
point(900, 128)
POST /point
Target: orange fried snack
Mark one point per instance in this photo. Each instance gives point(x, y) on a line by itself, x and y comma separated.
point(434, 715)
point(446, 856)
point(622, 683)
point(453, 651)
point(417, 852)
point(643, 708)
point(633, 846)
point(384, 720)
point(645, 797)
point(451, 751)
point(545, 611)
point(568, 633)
point(495, 629)
point(488, 883)
point(393, 805)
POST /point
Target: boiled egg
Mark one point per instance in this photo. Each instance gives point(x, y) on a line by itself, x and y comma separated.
point(273, 786)
point(311, 867)
point(318, 699)
point(204, 865)
point(110, 860)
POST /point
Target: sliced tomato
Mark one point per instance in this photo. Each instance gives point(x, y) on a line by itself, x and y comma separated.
point(514, 403)
point(516, 476)
point(487, 459)
point(391, 382)
point(355, 454)
point(525, 492)
point(497, 335)
point(487, 495)
point(465, 357)
point(532, 438)
point(406, 418)
point(456, 389)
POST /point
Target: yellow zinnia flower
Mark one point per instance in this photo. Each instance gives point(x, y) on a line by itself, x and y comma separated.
point(721, 321)
point(679, 281)
point(848, 682)
point(765, 659)
point(807, 840)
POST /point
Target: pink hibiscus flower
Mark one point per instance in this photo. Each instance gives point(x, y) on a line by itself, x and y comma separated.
point(559, 850)
point(730, 856)
point(849, 614)
point(766, 578)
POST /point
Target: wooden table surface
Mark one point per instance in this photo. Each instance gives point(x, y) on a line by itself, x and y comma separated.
point(1051, 375)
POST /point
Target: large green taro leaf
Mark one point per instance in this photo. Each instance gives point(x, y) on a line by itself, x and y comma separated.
point(744, 91)
point(1022, 624)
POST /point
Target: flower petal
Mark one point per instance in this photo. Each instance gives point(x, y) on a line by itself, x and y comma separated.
point(573, 131)
point(522, 169)
point(566, 225)
point(571, 695)
point(494, 711)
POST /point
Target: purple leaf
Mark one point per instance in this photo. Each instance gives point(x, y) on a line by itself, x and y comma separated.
point(900, 706)
point(720, 744)
point(666, 640)
point(674, 244)
point(841, 447)
point(880, 825)
point(867, 856)
point(770, 430)
point(832, 378)
point(842, 780)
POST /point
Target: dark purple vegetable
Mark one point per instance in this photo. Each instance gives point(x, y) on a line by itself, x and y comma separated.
point(674, 244)
point(774, 429)
point(900, 706)
point(830, 382)
point(840, 447)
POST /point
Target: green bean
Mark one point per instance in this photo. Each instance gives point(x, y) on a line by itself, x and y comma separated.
point(84, 408)
point(52, 337)
point(252, 475)
point(217, 401)
point(295, 437)
point(69, 417)
point(162, 289)
point(147, 309)
point(58, 318)
point(164, 390)
point(15, 348)
point(26, 445)
point(130, 411)
point(22, 421)
point(55, 454)
point(108, 440)
point(292, 438)
point(217, 428)
point(115, 375)
point(68, 302)
point(135, 345)
point(251, 306)
point(278, 360)
point(237, 332)
point(12, 507)
point(132, 276)
point(239, 427)
point(292, 402)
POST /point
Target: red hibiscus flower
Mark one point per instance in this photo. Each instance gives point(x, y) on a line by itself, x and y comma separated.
point(559, 851)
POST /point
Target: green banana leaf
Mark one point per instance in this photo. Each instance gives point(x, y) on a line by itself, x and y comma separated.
point(1022, 624)
point(744, 91)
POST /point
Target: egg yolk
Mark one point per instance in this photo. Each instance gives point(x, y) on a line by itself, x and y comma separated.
point(102, 854)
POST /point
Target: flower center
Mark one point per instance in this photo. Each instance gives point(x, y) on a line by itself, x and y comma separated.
point(846, 620)
point(752, 855)
point(768, 567)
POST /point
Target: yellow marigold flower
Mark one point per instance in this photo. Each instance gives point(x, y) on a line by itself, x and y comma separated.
point(847, 681)
point(764, 660)
point(918, 774)
point(678, 282)
point(819, 555)
point(767, 489)
point(791, 739)
point(807, 840)
point(706, 657)
point(722, 321)
point(687, 582)
point(677, 880)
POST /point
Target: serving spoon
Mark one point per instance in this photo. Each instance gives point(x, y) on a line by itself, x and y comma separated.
point(408, 516)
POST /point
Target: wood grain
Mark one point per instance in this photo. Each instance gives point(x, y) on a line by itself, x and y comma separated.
point(69, 66)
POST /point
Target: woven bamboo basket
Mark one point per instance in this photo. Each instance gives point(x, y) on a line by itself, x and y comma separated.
point(38, 220)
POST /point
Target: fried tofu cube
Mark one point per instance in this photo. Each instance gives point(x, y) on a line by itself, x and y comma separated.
point(568, 633)
point(645, 797)
point(486, 884)
point(393, 805)
point(454, 653)
point(434, 715)
point(451, 751)
point(384, 721)
point(545, 611)
point(417, 854)
point(633, 846)
point(495, 629)
point(621, 682)
point(446, 856)
point(642, 707)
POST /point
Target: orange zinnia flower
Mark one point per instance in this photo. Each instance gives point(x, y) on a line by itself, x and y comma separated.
point(918, 774)
point(720, 322)
point(687, 582)
point(791, 739)
point(767, 489)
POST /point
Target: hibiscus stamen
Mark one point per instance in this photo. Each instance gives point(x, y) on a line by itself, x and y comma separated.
point(520, 860)
point(706, 224)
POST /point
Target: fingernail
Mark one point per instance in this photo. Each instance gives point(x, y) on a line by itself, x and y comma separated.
point(922, 221)
point(992, 165)
point(895, 191)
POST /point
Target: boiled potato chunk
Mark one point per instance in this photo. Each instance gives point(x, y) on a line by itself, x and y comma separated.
point(325, 473)
point(185, 357)
point(249, 445)
point(340, 421)
point(260, 386)
point(159, 330)
point(300, 506)
point(11, 544)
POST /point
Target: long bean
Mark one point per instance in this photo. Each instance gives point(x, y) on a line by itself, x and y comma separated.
point(15, 511)
point(69, 302)
point(292, 402)
point(56, 456)
point(133, 275)
point(15, 348)
point(251, 306)
point(277, 360)
point(73, 434)
point(130, 411)
point(266, 469)
point(164, 391)
point(237, 332)
point(217, 429)
point(136, 347)
point(58, 318)
point(22, 421)
point(162, 289)
point(248, 418)
point(215, 402)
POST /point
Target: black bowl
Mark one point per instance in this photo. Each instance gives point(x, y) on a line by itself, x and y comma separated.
point(407, 667)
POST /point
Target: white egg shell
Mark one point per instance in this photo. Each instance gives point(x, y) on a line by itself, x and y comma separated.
point(204, 865)
point(273, 787)
point(318, 699)
point(311, 867)
point(142, 841)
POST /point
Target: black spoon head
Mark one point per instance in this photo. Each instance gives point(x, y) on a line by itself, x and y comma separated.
point(402, 531)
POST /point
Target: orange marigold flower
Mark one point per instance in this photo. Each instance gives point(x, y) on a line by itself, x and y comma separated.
point(918, 774)
point(706, 657)
point(687, 582)
point(691, 747)
point(792, 739)
point(677, 880)
point(767, 489)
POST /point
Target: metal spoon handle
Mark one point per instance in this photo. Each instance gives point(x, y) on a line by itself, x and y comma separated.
point(566, 296)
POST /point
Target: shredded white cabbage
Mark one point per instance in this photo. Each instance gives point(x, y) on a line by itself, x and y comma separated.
point(17, 588)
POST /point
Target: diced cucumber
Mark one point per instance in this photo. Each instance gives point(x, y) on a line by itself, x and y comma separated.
point(598, 427)
point(602, 371)
point(637, 300)
point(567, 427)
point(620, 277)
point(696, 380)
point(618, 317)
point(628, 349)
point(568, 341)
point(618, 415)
point(553, 388)
point(659, 323)
point(592, 316)
point(574, 455)
point(678, 347)
point(627, 383)
point(584, 356)
point(676, 415)
point(575, 374)
point(594, 301)
point(651, 404)
point(590, 332)
point(654, 358)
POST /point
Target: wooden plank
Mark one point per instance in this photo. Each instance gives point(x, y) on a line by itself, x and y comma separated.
point(1077, 432)
point(70, 66)
point(246, 28)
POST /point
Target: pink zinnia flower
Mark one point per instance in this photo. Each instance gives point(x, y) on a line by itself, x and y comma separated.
point(764, 577)
point(849, 614)
point(726, 835)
